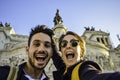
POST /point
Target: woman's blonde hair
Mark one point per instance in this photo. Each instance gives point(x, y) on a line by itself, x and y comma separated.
point(81, 42)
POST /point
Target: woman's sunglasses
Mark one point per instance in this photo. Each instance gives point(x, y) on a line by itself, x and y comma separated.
point(73, 43)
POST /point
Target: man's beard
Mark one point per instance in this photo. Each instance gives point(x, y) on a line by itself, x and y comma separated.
point(32, 64)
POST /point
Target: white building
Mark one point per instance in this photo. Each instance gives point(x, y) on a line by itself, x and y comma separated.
point(98, 44)
point(12, 46)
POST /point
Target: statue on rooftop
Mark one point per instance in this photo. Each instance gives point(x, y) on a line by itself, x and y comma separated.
point(118, 37)
point(7, 24)
point(87, 28)
point(1, 25)
point(57, 18)
point(92, 28)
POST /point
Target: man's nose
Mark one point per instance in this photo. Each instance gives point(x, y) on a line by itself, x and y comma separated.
point(41, 47)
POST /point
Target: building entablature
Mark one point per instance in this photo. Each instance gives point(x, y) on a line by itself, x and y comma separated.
point(59, 26)
point(96, 44)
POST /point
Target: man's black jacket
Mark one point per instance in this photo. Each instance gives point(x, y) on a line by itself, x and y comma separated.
point(4, 71)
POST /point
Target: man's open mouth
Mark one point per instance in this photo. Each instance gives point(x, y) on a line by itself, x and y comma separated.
point(41, 58)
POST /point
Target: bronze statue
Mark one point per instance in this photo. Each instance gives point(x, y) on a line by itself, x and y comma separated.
point(1, 25)
point(118, 37)
point(57, 18)
point(7, 24)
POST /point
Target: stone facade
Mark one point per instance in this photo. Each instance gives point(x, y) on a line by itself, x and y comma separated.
point(12, 47)
point(98, 48)
point(98, 44)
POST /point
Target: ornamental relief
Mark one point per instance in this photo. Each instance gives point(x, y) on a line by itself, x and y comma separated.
point(8, 46)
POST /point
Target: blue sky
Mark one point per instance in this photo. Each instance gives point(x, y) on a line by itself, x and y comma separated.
point(76, 14)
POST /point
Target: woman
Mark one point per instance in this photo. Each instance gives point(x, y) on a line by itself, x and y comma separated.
point(72, 47)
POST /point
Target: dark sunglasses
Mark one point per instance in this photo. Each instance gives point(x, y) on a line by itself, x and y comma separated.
point(73, 43)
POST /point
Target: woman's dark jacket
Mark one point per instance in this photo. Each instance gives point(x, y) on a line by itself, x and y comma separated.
point(88, 70)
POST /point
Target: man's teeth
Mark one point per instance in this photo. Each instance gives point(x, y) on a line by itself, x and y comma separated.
point(40, 58)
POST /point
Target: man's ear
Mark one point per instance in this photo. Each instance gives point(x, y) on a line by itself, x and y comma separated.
point(27, 49)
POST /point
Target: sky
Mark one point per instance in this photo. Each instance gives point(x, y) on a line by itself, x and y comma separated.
point(76, 14)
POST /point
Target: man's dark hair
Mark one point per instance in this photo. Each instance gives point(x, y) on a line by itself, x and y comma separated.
point(42, 29)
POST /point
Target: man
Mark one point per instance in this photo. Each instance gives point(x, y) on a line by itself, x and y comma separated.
point(40, 49)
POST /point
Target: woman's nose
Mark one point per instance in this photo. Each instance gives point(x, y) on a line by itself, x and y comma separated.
point(68, 45)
